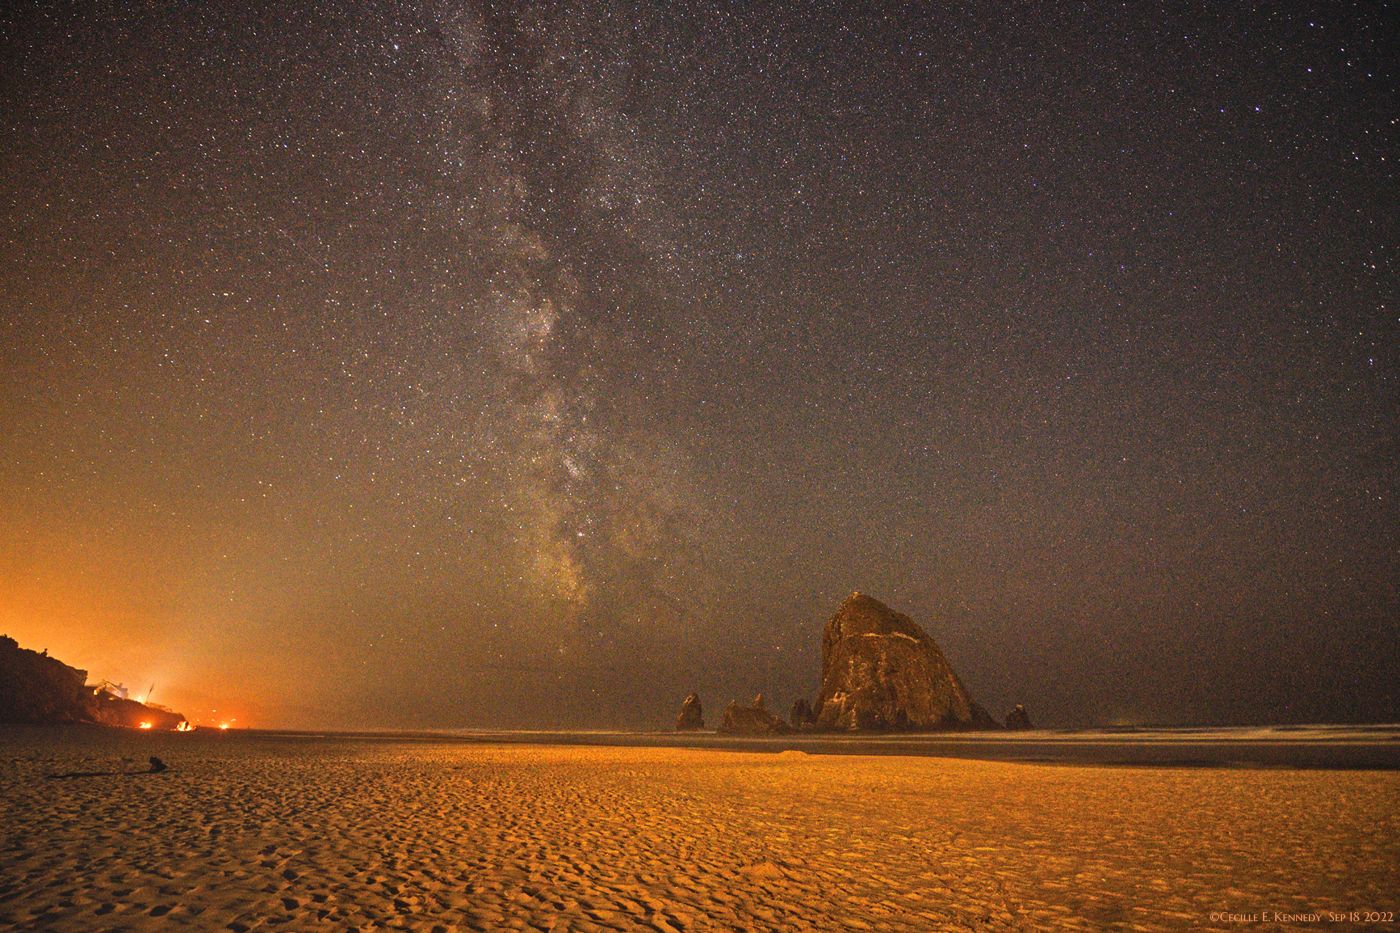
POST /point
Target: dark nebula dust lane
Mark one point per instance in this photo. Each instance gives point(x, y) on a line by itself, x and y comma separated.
point(453, 364)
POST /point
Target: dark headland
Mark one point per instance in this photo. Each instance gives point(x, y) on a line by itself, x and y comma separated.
point(37, 689)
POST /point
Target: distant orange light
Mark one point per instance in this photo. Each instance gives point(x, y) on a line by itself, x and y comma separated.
point(184, 726)
point(144, 725)
point(223, 725)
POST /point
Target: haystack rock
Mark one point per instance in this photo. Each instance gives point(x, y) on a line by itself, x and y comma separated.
point(751, 720)
point(881, 671)
point(691, 716)
point(1018, 718)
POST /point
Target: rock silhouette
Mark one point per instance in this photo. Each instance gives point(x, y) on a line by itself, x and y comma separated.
point(691, 716)
point(754, 719)
point(1018, 718)
point(881, 671)
point(35, 688)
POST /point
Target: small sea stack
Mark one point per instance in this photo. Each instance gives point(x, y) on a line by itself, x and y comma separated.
point(691, 718)
point(754, 719)
point(1018, 718)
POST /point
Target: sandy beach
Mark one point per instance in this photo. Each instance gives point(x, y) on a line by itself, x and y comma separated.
point(247, 833)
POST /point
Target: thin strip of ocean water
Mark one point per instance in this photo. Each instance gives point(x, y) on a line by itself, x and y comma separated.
point(1316, 746)
point(1338, 747)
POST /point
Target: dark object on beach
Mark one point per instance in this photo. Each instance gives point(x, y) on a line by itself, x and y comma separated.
point(751, 720)
point(692, 716)
point(881, 671)
point(1018, 718)
point(802, 716)
point(157, 766)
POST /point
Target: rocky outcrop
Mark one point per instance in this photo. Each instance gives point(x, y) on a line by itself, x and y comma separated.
point(35, 688)
point(754, 719)
point(881, 671)
point(1018, 718)
point(691, 716)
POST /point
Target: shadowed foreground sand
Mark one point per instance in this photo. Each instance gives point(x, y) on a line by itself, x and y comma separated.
point(491, 837)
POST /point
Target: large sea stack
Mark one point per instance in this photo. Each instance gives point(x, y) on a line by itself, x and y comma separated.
point(881, 671)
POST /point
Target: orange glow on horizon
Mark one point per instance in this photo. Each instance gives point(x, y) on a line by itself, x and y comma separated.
point(144, 725)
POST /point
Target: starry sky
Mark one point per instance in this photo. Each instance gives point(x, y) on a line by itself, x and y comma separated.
point(436, 364)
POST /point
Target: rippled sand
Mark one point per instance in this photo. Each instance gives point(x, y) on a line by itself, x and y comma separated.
point(242, 835)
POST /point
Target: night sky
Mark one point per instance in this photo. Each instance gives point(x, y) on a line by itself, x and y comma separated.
point(438, 364)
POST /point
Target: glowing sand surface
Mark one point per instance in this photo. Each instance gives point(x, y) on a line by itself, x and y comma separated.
point(256, 832)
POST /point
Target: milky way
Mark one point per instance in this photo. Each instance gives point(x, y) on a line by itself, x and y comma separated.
point(536, 364)
point(545, 160)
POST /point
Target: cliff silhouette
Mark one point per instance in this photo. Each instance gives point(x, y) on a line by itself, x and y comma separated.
point(35, 688)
